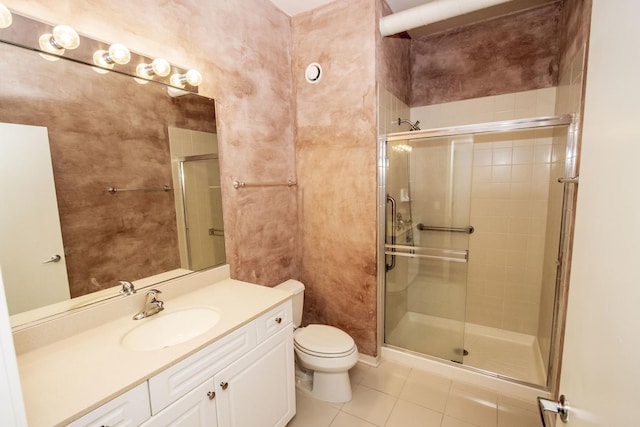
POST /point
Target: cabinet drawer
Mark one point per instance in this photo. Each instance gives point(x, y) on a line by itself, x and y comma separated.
point(128, 409)
point(274, 321)
point(184, 376)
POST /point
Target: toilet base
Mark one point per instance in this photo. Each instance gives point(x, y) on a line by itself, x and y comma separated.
point(331, 386)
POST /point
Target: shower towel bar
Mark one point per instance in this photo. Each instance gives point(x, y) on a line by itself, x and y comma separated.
point(242, 184)
point(409, 255)
point(469, 229)
point(431, 253)
point(114, 190)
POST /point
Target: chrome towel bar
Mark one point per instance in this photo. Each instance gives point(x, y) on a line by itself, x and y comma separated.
point(408, 255)
point(452, 255)
point(242, 184)
point(469, 229)
point(114, 190)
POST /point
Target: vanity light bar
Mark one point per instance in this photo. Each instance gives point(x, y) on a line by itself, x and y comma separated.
point(56, 41)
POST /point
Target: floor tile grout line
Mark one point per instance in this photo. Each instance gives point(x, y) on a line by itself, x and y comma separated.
point(334, 417)
point(391, 412)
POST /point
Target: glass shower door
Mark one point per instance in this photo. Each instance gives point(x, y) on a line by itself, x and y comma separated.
point(203, 211)
point(428, 185)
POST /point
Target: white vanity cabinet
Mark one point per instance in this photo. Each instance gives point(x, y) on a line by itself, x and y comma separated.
point(246, 379)
point(259, 390)
point(127, 410)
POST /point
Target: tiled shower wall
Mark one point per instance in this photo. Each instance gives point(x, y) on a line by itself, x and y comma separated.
point(511, 175)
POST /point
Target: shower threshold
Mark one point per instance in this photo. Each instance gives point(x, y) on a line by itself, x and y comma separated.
point(505, 353)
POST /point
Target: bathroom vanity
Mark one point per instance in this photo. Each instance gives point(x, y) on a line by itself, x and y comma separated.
point(239, 372)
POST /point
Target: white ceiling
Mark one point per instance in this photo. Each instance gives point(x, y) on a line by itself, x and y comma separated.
point(294, 7)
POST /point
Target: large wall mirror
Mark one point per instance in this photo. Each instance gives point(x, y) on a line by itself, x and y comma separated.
point(103, 179)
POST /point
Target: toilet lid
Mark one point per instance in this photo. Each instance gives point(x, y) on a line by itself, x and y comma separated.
point(323, 339)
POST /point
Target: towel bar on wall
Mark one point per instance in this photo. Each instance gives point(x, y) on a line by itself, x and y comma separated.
point(114, 190)
point(241, 184)
point(451, 255)
point(468, 229)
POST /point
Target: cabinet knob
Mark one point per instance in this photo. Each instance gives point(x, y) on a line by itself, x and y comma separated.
point(278, 320)
point(212, 395)
point(224, 385)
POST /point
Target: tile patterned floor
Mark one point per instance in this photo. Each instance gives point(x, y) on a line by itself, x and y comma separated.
point(393, 395)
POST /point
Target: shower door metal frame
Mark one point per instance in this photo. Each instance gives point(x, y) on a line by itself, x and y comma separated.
point(566, 231)
point(183, 191)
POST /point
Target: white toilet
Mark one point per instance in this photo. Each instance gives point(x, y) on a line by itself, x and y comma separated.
point(324, 354)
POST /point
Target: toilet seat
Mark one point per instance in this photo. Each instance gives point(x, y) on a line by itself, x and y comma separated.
point(324, 341)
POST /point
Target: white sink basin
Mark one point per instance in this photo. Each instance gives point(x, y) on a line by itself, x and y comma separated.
point(169, 328)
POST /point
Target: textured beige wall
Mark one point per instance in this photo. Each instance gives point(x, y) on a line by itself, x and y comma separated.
point(393, 62)
point(509, 54)
point(336, 163)
point(103, 135)
point(246, 64)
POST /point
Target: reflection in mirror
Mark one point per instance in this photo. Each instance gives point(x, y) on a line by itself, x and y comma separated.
point(69, 134)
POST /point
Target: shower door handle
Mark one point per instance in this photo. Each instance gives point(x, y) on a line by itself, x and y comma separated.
point(391, 200)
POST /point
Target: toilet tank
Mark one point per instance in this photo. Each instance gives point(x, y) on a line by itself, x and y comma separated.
point(296, 289)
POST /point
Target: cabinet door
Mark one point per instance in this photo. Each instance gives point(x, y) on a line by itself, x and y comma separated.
point(127, 410)
point(258, 390)
point(170, 385)
point(195, 409)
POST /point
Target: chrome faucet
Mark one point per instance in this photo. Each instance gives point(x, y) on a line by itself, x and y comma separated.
point(127, 287)
point(151, 305)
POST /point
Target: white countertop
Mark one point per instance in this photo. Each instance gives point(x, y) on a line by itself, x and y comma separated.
point(66, 379)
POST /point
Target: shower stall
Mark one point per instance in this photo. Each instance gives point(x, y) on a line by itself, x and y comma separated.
point(201, 204)
point(474, 242)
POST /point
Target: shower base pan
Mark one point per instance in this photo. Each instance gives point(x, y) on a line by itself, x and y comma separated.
point(505, 353)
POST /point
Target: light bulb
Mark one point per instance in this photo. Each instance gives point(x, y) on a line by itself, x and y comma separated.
point(119, 54)
point(159, 66)
point(63, 37)
point(5, 16)
point(66, 37)
point(175, 93)
point(99, 58)
point(193, 77)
